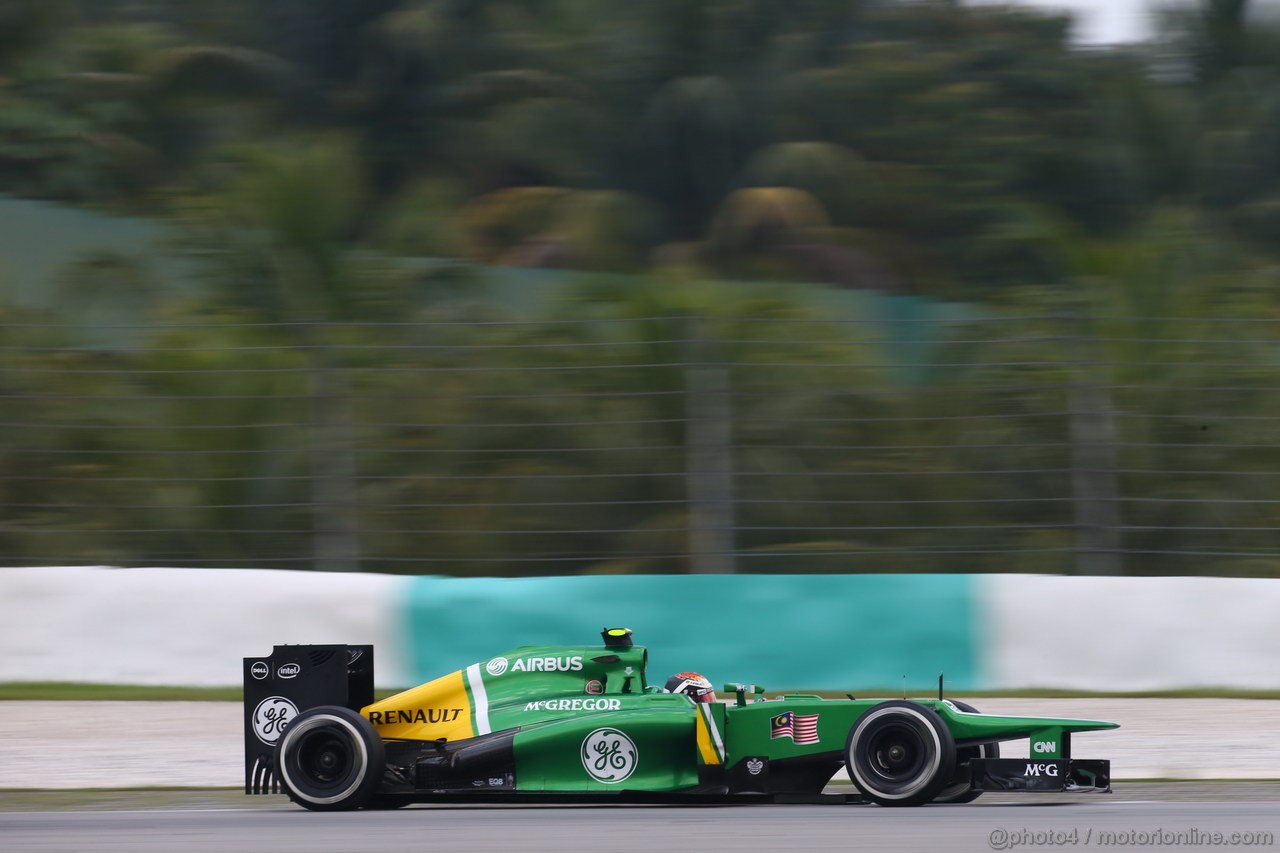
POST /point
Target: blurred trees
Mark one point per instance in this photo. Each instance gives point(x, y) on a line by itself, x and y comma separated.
point(928, 132)
point(879, 434)
point(284, 255)
point(305, 151)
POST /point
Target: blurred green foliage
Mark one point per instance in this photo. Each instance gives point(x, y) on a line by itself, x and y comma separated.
point(929, 134)
point(304, 149)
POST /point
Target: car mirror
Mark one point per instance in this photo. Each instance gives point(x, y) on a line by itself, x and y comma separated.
point(740, 691)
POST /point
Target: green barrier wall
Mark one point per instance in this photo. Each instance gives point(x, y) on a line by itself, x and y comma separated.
point(838, 632)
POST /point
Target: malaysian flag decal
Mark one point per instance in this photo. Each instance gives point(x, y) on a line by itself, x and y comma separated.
point(801, 728)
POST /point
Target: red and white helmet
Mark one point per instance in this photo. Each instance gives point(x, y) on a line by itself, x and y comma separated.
point(693, 685)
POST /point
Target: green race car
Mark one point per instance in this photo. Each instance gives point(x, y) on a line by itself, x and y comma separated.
point(583, 722)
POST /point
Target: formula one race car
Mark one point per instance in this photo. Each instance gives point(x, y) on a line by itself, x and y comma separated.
point(583, 722)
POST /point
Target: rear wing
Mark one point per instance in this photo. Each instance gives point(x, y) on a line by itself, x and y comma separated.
point(293, 679)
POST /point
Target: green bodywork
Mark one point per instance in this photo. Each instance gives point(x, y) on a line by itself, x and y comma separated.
point(584, 719)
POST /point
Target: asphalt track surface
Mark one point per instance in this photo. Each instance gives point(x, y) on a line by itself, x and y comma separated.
point(1165, 818)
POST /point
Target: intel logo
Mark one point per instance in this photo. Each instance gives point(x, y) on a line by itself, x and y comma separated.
point(288, 670)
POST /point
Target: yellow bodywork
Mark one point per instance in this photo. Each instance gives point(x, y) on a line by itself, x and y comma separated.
point(709, 747)
point(437, 709)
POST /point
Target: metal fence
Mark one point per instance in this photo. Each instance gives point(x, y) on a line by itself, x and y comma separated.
point(646, 444)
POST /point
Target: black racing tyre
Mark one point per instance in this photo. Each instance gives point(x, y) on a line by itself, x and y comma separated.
point(959, 791)
point(330, 759)
point(900, 753)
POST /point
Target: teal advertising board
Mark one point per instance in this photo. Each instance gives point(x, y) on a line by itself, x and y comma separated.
point(835, 632)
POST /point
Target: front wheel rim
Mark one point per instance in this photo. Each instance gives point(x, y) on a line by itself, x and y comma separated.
point(897, 754)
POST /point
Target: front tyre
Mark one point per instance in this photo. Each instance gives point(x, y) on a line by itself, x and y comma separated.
point(330, 759)
point(900, 754)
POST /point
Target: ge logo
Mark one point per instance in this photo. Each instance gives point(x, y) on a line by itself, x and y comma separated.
point(271, 716)
point(609, 756)
point(496, 667)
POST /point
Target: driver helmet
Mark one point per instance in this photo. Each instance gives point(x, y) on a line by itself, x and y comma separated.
point(693, 685)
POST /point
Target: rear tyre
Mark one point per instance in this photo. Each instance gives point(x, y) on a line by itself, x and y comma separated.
point(330, 759)
point(900, 754)
point(959, 791)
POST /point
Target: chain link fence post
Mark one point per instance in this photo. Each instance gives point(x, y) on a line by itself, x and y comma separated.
point(335, 523)
point(1094, 483)
point(708, 453)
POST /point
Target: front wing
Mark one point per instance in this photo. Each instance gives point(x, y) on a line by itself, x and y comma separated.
point(1026, 774)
